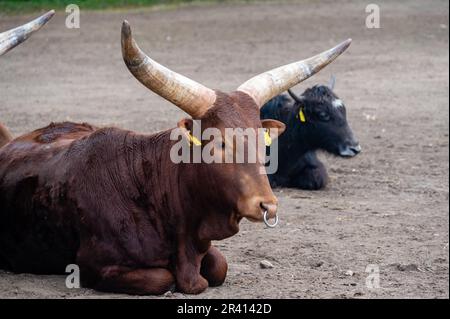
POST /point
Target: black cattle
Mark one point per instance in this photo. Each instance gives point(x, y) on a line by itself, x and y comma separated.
point(315, 120)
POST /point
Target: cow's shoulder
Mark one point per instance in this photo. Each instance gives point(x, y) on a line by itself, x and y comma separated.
point(107, 147)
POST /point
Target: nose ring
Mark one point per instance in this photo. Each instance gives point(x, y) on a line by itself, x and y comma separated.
point(266, 221)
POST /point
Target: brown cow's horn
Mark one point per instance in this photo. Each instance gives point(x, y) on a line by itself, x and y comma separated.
point(14, 37)
point(267, 85)
point(192, 97)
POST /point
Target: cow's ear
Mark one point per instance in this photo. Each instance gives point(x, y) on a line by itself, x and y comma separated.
point(276, 128)
point(187, 125)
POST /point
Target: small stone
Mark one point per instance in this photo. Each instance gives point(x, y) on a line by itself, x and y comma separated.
point(168, 294)
point(408, 267)
point(440, 260)
point(265, 264)
point(349, 273)
point(316, 263)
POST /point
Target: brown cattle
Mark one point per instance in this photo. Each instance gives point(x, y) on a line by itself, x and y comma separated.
point(12, 38)
point(114, 203)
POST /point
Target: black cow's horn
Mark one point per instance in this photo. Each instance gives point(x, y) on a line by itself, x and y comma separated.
point(267, 85)
point(296, 98)
point(192, 97)
point(332, 82)
point(14, 37)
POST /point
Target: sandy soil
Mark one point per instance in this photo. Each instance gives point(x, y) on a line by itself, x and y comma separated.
point(388, 206)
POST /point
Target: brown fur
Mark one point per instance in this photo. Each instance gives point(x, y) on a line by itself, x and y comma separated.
point(113, 202)
point(5, 136)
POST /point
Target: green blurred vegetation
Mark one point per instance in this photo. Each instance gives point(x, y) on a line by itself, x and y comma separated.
point(26, 6)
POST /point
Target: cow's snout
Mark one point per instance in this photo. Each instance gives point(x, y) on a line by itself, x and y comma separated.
point(350, 150)
point(271, 209)
point(356, 149)
point(255, 207)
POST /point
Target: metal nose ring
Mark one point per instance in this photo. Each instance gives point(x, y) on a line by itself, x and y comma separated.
point(266, 221)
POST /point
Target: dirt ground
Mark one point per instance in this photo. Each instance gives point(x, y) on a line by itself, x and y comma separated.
point(387, 207)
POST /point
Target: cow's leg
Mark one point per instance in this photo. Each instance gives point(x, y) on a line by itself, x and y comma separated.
point(214, 267)
point(154, 281)
point(189, 279)
point(312, 176)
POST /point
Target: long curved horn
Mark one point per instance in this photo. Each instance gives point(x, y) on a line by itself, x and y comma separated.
point(192, 97)
point(267, 85)
point(14, 37)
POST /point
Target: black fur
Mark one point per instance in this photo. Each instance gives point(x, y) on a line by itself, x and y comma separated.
point(325, 128)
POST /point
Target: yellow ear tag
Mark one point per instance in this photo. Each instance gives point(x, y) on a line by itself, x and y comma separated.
point(301, 115)
point(194, 140)
point(267, 138)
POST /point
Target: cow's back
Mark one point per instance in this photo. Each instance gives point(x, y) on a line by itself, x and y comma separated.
point(38, 232)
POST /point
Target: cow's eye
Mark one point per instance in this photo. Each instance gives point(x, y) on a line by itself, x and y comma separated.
point(324, 116)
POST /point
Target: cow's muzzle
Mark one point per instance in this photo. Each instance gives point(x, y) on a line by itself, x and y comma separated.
point(350, 150)
point(266, 220)
point(270, 211)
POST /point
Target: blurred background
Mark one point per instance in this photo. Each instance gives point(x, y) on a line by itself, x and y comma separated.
point(27, 6)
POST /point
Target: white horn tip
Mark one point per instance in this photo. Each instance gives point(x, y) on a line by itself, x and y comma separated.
point(46, 17)
point(340, 48)
point(126, 29)
point(130, 52)
point(347, 43)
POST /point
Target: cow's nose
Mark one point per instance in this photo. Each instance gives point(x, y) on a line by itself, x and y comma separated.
point(270, 208)
point(356, 149)
point(350, 150)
